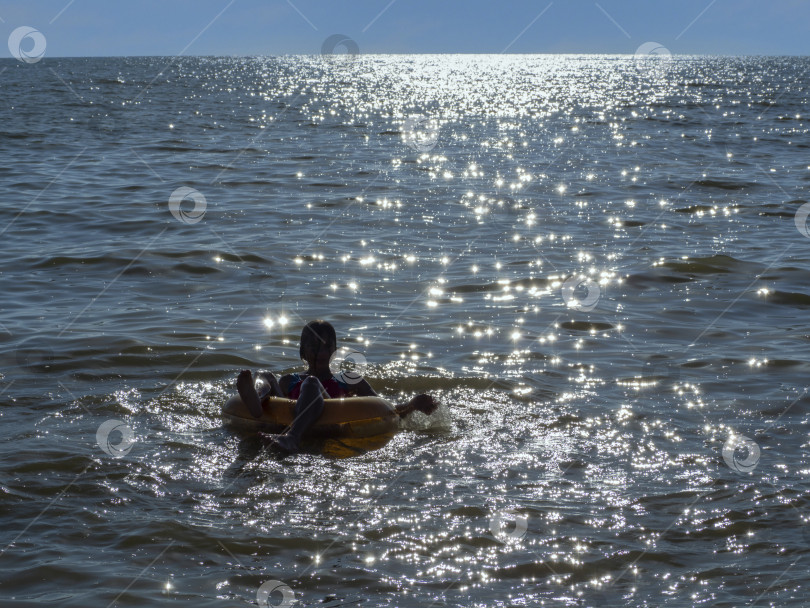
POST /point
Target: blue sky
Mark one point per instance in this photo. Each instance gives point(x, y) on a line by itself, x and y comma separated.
point(272, 27)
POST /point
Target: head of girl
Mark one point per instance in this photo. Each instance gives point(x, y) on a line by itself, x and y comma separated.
point(318, 344)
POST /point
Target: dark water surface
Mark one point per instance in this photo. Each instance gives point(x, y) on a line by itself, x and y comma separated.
point(594, 262)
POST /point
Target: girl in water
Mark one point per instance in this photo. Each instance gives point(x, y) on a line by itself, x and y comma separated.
point(318, 344)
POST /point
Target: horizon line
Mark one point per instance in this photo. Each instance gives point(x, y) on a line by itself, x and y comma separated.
point(654, 57)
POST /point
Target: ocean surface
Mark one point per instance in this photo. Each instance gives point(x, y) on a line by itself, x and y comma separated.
point(599, 265)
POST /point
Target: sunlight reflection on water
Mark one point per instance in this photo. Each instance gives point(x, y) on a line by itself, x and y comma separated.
point(582, 262)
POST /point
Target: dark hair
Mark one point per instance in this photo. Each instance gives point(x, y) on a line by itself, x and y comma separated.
point(315, 335)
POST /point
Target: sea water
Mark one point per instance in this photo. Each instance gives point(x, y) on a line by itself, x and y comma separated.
point(598, 265)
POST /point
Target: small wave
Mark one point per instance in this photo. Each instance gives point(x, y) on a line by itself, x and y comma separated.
point(698, 209)
point(777, 214)
point(790, 298)
point(715, 264)
point(12, 135)
point(66, 260)
point(196, 269)
point(586, 326)
point(725, 184)
point(646, 280)
point(110, 81)
point(487, 287)
point(201, 254)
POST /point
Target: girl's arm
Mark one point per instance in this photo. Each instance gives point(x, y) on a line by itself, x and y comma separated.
point(363, 389)
point(424, 403)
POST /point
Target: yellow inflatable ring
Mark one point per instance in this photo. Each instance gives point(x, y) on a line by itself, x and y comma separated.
point(346, 417)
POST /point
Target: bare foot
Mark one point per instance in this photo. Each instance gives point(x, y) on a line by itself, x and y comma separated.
point(282, 443)
point(244, 384)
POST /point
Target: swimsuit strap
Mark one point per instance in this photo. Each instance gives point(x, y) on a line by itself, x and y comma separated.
point(296, 380)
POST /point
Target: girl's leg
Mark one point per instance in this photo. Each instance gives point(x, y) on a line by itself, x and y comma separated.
point(253, 393)
point(247, 391)
point(307, 411)
point(308, 408)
